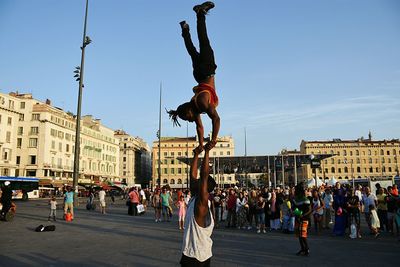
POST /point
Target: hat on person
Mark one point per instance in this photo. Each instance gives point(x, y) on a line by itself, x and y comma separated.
point(7, 183)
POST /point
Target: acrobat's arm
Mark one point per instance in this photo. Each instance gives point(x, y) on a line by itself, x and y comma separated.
point(213, 114)
point(200, 131)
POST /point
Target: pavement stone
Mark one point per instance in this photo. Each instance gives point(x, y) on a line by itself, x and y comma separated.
point(116, 239)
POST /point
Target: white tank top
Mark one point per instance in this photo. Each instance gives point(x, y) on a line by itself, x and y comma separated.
point(197, 241)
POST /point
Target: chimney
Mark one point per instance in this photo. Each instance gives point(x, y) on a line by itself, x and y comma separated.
point(48, 102)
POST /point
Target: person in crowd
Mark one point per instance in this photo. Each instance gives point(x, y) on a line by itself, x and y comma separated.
point(166, 200)
point(231, 207)
point(6, 197)
point(382, 209)
point(287, 215)
point(374, 220)
point(339, 206)
point(391, 209)
point(102, 200)
point(252, 202)
point(317, 211)
point(53, 208)
point(134, 199)
point(143, 199)
point(217, 206)
point(303, 205)
point(156, 203)
point(69, 202)
point(368, 200)
point(328, 201)
point(353, 208)
point(275, 219)
point(260, 214)
point(241, 216)
point(181, 211)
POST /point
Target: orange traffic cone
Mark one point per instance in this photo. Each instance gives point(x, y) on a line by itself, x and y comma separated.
point(68, 217)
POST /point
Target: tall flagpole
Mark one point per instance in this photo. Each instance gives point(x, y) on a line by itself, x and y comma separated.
point(159, 140)
point(79, 73)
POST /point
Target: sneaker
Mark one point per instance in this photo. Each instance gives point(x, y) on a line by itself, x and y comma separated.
point(184, 25)
point(156, 220)
point(264, 231)
point(203, 8)
point(249, 228)
point(238, 227)
point(258, 231)
point(377, 234)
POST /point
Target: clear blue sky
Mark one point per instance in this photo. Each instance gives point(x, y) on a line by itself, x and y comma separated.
point(287, 70)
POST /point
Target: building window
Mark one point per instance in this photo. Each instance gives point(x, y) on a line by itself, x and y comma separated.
point(369, 152)
point(165, 171)
point(9, 121)
point(339, 170)
point(124, 159)
point(179, 181)
point(357, 153)
point(346, 170)
point(19, 142)
point(390, 169)
point(67, 148)
point(35, 117)
point(34, 130)
point(31, 173)
point(172, 181)
point(22, 105)
point(388, 153)
point(358, 169)
point(179, 170)
point(172, 171)
point(21, 117)
point(333, 170)
point(32, 159)
point(32, 142)
point(228, 153)
point(371, 170)
point(60, 147)
point(370, 160)
point(165, 181)
point(351, 153)
point(18, 160)
point(8, 137)
point(221, 153)
point(5, 155)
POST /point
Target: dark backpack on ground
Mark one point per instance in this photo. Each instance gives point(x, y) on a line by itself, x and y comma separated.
point(42, 228)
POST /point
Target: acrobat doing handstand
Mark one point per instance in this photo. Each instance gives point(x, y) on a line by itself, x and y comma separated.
point(205, 99)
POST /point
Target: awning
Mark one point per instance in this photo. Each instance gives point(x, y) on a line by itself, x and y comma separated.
point(43, 182)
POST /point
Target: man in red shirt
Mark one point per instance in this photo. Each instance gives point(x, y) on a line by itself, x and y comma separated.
point(231, 207)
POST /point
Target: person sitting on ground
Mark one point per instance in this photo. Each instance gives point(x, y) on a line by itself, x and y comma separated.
point(205, 99)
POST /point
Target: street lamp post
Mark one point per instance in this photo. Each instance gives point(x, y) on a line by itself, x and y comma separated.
point(79, 76)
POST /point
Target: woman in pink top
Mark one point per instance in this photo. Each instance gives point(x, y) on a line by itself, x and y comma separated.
point(134, 201)
point(182, 212)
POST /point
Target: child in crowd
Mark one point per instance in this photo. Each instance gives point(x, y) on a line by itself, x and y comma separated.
point(374, 220)
point(288, 219)
point(53, 208)
point(181, 212)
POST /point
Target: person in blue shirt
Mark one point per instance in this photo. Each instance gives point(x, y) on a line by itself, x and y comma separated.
point(69, 202)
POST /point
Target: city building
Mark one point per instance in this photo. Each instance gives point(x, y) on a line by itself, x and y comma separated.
point(361, 158)
point(134, 158)
point(38, 140)
point(175, 172)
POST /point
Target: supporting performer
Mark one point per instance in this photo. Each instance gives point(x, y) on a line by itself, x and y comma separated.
point(199, 221)
point(205, 99)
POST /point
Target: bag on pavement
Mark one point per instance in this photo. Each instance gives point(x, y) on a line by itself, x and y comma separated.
point(140, 208)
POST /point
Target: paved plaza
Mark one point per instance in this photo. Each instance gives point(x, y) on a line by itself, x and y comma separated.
point(116, 239)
